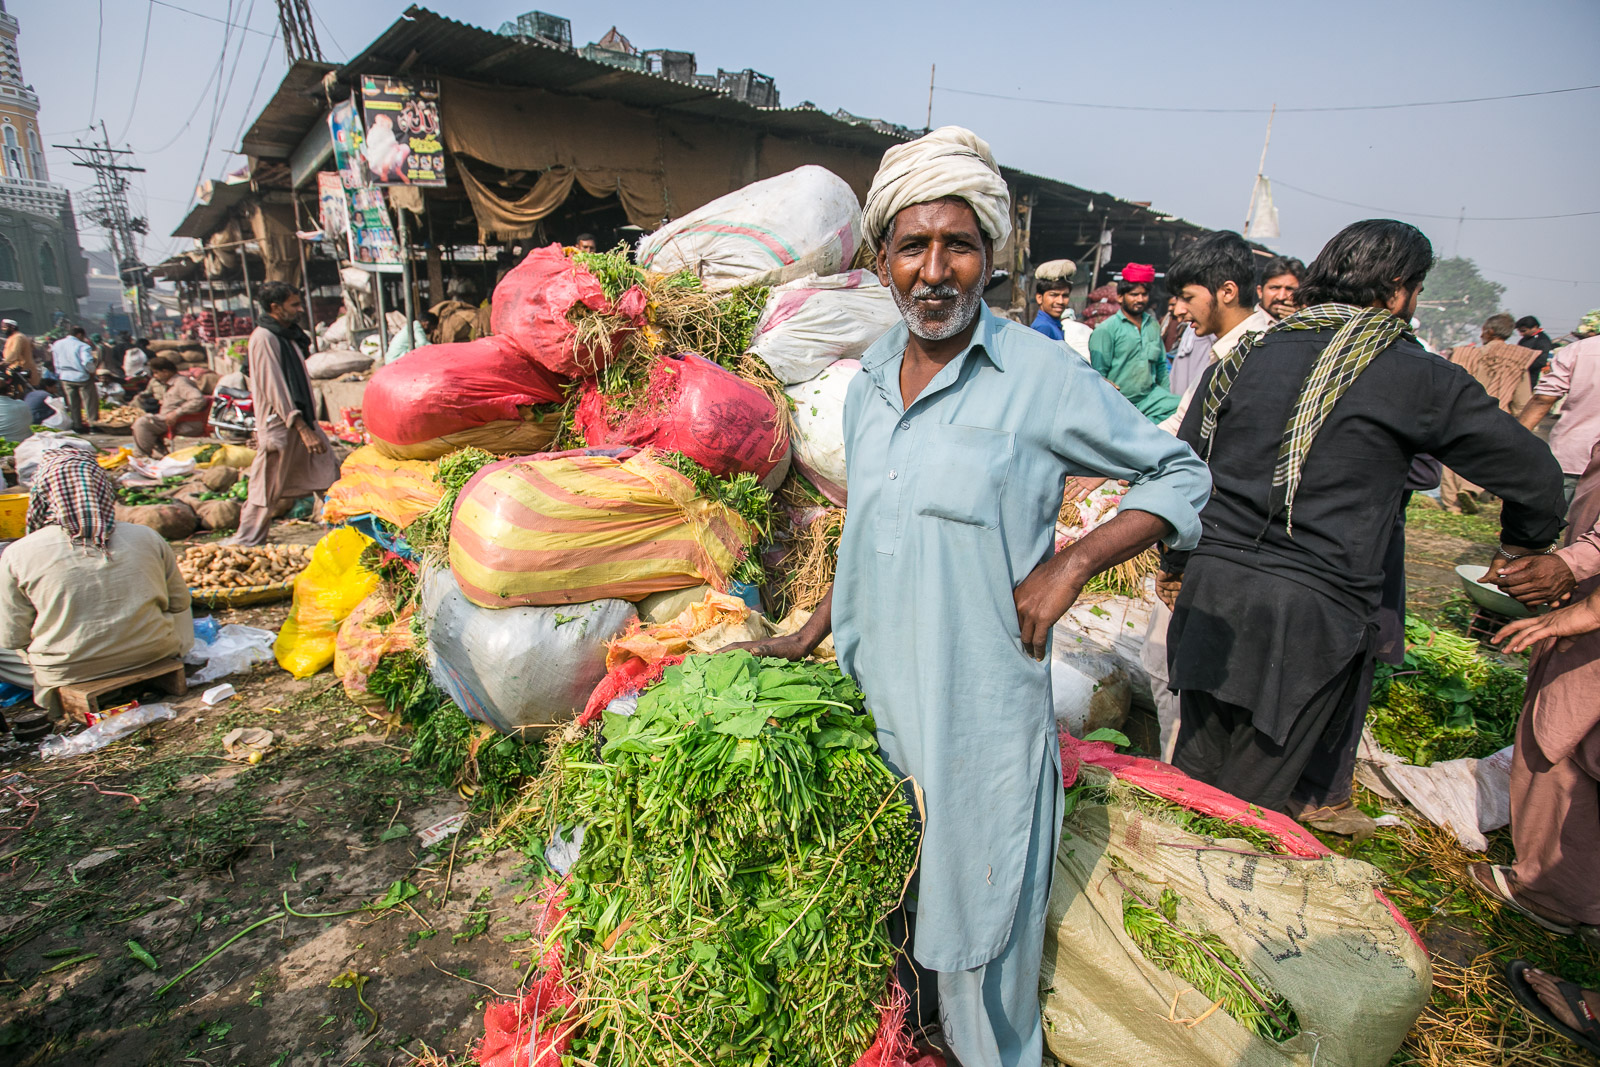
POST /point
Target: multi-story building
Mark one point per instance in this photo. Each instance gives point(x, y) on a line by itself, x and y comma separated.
point(43, 272)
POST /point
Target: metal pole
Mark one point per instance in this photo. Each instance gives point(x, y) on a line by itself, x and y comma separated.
point(1261, 169)
point(383, 321)
point(407, 301)
point(932, 70)
point(249, 294)
point(305, 278)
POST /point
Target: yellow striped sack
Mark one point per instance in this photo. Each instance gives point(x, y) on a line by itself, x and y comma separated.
point(570, 527)
point(398, 490)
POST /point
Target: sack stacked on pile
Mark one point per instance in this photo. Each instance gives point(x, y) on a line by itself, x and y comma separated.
point(815, 321)
point(532, 306)
point(570, 527)
point(369, 633)
point(817, 407)
point(477, 394)
point(770, 232)
point(696, 408)
point(371, 483)
point(516, 668)
point(1312, 927)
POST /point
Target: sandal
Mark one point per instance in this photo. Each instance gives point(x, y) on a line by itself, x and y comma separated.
point(1497, 886)
point(1588, 1037)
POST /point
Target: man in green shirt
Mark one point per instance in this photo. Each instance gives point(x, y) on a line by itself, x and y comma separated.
point(1126, 348)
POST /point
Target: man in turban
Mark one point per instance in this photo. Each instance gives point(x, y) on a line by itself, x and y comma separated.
point(960, 434)
point(1127, 349)
point(83, 596)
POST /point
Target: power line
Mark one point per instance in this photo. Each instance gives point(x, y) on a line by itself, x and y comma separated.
point(99, 39)
point(213, 18)
point(249, 108)
point(1425, 215)
point(138, 82)
point(1261, 110)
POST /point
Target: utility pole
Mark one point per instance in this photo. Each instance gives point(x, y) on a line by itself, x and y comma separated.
point(299, 35)
point(933, 68)
point(108, 208)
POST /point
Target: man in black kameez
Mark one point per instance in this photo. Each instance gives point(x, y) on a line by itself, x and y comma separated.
point(1309, 434)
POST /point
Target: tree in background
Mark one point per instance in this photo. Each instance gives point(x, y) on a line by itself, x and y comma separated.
point(1455, 301)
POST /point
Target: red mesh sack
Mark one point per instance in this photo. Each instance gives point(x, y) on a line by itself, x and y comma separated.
point(532, 306)
point(439, 390)
point(692, 406)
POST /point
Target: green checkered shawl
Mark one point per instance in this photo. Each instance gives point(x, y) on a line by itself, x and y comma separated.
point(1360, 334)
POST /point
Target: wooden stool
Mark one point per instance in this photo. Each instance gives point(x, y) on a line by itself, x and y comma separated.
point(82, 699)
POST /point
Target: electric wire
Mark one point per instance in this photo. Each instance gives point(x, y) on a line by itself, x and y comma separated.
point(1279, 183)
point(138, 82)
point(1261, 110)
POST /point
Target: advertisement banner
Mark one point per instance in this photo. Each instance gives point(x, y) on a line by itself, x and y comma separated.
point(402, 144)
point(373, 245)
point(344, 127)
point(333, 205)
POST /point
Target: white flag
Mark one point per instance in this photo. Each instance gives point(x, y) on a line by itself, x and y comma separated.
point(1263, 222)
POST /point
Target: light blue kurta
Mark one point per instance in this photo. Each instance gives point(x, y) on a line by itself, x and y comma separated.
point(953, 503)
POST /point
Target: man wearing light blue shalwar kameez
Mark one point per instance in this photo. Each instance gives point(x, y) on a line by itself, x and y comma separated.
point(953, 503)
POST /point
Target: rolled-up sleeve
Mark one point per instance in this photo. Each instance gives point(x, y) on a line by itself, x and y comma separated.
point(1557, 376)
point(1100, 434)
point(1583, 555)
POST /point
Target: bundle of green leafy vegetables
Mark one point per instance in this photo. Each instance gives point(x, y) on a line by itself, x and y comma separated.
point(743, 845)
point(1446, 701)
point(138, 495)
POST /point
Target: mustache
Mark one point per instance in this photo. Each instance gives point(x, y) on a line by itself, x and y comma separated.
point(935, 292)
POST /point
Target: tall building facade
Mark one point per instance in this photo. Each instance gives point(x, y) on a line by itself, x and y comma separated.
point(43, 272)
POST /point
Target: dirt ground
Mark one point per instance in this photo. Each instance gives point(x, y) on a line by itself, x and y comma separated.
point(165, 844)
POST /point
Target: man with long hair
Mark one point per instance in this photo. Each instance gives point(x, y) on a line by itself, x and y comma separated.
point(1310, 431)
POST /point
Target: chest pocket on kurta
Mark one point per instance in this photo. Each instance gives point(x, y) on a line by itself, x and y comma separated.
point(962, 474)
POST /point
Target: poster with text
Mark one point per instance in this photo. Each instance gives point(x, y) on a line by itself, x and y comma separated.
point(402, 141)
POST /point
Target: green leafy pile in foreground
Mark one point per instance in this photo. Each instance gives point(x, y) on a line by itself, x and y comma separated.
point(743, 847)
point(1446, 701)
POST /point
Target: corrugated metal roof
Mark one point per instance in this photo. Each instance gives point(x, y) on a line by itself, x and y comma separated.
point(424, 42)
point(204, 219)
point(289, 114)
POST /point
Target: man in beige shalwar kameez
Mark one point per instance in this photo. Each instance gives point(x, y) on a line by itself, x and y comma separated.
point(293, 456)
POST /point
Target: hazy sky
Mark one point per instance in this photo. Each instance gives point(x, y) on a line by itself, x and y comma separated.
point(1535, 156)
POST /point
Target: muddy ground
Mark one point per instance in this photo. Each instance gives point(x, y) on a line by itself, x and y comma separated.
point(164, 842)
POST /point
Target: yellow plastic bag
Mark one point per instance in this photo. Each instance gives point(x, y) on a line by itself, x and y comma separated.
point(111, 461)
point(327, 590)
point(240, 456)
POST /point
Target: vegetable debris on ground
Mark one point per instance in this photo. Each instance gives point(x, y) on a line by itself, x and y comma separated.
point(743, 846)
point(1446, 701)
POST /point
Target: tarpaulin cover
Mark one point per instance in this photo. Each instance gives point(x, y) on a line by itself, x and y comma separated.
point(446, 389)
point(397, 490)
point(817, 407)
point(532, 306)
point(1313, 925)
point(692, 406)
point(570, 527)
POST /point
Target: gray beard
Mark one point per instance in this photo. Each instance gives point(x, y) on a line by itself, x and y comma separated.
point(929, 328)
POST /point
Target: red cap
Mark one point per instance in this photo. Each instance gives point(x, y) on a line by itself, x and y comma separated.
point(1139, 273)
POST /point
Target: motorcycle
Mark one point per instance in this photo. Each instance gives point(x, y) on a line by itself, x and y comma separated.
point(233, 414)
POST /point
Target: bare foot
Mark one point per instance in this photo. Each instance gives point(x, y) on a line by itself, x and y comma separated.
point(1545, 985)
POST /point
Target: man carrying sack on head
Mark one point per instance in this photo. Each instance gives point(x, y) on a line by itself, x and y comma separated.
point(960, 434)
point(293, 456)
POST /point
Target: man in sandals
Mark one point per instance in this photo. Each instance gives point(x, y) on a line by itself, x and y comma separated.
point(1566, 1007)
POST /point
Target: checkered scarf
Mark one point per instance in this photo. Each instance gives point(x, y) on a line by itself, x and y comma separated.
point(71, 491)
point(1360, 334)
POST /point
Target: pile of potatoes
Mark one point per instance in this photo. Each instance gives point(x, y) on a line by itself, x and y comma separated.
point(227, 567)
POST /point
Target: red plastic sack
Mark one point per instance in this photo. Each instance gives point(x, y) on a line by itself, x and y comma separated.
point(439, 390)
point(692, 406)
point(532, 305)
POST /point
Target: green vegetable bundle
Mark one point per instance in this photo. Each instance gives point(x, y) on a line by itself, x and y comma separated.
point(1446, 701)
point(743, 847)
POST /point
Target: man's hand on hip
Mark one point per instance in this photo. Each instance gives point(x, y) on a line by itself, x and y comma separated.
point(1044, 596)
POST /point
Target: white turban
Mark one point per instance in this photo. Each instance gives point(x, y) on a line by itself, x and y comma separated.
point(950, 161)
point(1055, 270)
